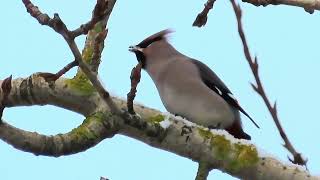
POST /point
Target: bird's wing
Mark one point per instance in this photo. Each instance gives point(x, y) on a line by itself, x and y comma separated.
point(215, 84)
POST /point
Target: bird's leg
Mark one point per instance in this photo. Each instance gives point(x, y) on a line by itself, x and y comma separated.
point(217, 126)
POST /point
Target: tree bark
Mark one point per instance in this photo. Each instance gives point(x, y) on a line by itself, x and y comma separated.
point(237, 158)
point(308, 5)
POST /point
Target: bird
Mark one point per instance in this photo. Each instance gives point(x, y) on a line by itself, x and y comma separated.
point(189, 88)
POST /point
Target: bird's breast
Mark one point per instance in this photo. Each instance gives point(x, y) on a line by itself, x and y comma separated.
point(196, 102)
point(183, 93)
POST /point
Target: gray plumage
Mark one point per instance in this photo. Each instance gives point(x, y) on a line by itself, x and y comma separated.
point(189, 88)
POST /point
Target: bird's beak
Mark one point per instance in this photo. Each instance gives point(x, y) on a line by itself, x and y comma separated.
point(135, 49)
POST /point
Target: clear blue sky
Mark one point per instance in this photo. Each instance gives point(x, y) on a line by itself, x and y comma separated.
point(286, 40)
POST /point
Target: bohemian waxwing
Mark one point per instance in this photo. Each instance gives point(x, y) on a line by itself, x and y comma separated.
point(189, 88)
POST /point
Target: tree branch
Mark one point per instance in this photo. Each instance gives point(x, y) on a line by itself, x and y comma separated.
point(6, 88)
point(135, 79)
point(92, 131)
point(86, 95)
point(58, 25)
point(54, 77)
point(218, 148)
point(202, 17)
point(203, 171)
point(101, 11)
point(308, 5)
point(260, 90)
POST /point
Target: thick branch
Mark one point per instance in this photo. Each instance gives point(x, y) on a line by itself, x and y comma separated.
point(260, 90)
point(73, 94)
point(308, 5)
point(65, 93)
point(219, 149)
point(92, 131)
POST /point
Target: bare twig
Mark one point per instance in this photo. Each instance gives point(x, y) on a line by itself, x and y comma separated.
point(54, 77)
point(308, 5)
point(135, 79)
point(98, 14)
point(57, 24)
point(98, 46)
point(202, 17)
point(260, 90)
point(6, 88)
point(66, 68)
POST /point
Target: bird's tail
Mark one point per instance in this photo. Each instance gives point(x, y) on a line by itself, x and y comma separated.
point(236, 130)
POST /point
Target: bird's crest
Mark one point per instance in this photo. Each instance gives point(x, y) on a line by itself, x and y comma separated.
point(155, 37)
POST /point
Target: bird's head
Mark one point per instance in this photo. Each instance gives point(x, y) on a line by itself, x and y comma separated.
point(144, 48)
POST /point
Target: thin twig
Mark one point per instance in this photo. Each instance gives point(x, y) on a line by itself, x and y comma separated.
point(66, 68)
point(135, 79)
point(260, 90)
point(53, 77)
point(58, 25)
point(202, 17)
point(309, 5)
point(98, 14)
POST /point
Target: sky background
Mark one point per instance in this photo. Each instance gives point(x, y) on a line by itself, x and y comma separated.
point(286, 40)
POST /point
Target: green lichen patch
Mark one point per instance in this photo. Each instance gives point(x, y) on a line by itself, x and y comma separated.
point(99, 27)
point(219, 144)
point(205, 133)
point(222, 147)
point(87, 54)
point(235, 155)
point(81, 84)
point(156, 119)
point(244, 156)
point(83, 132)
point(98, 116)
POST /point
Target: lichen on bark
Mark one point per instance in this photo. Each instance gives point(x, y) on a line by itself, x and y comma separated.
point(81, 84)
point(236, 156)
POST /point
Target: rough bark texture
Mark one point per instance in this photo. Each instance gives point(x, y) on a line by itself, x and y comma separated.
point(221, 151)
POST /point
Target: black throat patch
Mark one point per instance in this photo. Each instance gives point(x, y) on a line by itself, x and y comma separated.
point(141, 58)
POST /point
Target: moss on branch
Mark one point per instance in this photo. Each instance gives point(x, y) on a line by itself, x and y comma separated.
point(235, 155)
